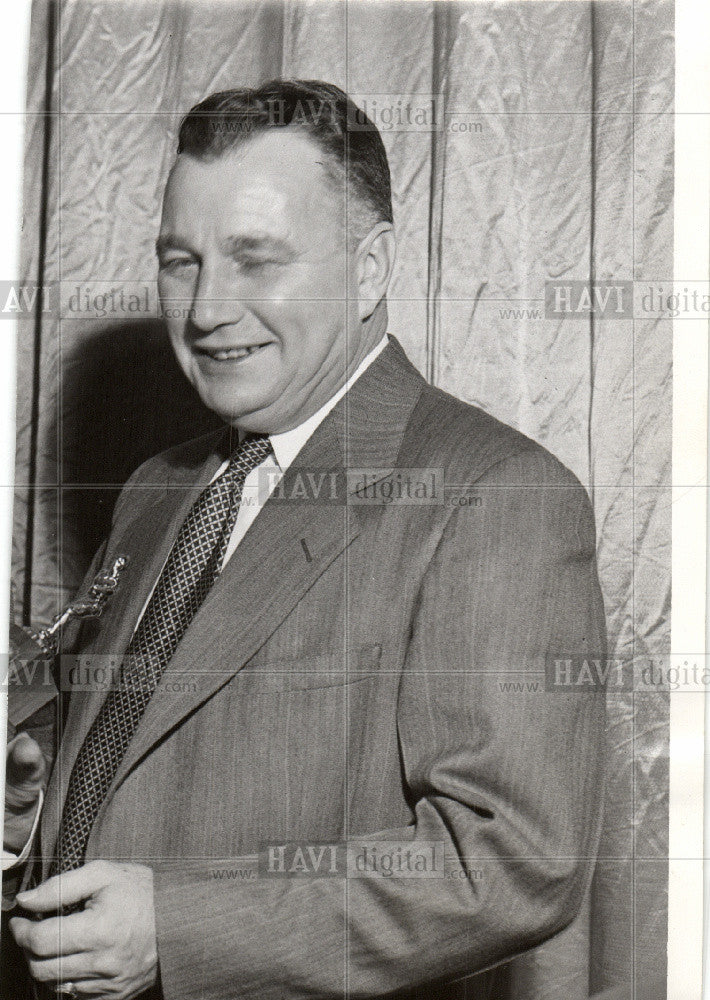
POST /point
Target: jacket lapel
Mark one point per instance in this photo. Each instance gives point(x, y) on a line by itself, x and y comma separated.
point(146, 540)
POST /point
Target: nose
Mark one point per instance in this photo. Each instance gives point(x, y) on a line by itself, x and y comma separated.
point(216, 301)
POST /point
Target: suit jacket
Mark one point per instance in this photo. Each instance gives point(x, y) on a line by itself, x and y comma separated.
point(361, 669)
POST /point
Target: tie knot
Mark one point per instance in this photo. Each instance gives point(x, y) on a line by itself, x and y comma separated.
point(249, 453)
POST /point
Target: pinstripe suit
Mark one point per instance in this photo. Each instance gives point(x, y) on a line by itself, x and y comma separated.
point(343, 679)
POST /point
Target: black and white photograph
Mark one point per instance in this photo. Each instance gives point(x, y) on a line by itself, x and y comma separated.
point(356, 377)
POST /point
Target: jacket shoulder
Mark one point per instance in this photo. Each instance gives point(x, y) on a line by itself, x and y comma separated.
point(184, 456)
point(536, 495)
point(469, 442)
point(183, 460)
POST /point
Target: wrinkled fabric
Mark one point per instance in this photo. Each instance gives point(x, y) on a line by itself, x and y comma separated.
point(555, 161)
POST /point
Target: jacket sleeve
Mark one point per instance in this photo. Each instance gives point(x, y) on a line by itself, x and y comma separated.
point(501, 772)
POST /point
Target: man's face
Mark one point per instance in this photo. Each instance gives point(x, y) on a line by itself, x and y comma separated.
point(252, 247)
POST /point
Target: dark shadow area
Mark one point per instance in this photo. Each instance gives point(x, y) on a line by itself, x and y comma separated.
point(124, 399)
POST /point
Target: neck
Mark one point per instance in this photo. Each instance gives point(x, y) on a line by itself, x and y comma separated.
point(374, 329)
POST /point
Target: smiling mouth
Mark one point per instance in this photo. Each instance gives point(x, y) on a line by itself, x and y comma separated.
point(231, 353)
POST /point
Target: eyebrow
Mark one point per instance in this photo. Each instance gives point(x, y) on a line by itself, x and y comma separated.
point(257, 242)
point(232, 246)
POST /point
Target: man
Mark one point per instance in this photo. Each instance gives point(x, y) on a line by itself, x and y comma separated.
point(346, 639)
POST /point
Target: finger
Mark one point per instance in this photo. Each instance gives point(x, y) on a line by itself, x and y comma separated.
point(63, 968)
point(20, 929)
point(25, 761)
point(94, 988)
point(56, 935)
point(65, 889)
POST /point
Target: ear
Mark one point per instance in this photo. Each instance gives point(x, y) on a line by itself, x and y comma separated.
point(374, 261)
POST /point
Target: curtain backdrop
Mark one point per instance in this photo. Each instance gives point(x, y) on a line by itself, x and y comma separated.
point(555, 161)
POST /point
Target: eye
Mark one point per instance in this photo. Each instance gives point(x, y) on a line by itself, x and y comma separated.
point(253, 265)
point(176, 265)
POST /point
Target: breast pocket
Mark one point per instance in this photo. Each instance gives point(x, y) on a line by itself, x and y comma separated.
point(308, 673)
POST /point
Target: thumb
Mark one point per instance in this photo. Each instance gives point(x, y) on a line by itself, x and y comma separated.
point(65, 889)
point(25, 762)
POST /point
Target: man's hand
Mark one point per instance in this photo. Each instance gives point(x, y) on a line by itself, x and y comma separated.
point(107, 950)
point(24, 781)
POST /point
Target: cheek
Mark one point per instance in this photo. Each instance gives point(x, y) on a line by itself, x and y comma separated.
point(176, 336)
point(334, 276)
point(180, 348)
point(308, 298)
point(288, 318)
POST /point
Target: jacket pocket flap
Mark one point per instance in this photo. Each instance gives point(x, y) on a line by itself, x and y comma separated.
point(331, 669)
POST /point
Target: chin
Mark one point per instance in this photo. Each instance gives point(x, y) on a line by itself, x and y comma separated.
point(242, 414)
point(230, 405)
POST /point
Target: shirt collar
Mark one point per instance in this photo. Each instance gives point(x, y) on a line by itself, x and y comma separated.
point(287, 444)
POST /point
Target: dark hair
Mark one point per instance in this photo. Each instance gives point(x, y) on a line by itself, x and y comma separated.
point(353, 146)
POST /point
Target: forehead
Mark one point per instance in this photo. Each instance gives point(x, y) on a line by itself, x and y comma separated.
point(277, 177)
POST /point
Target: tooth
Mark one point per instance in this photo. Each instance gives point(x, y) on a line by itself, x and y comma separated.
point(226, 353)
point(233, 353)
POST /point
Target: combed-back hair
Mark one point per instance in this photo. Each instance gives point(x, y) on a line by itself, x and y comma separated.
point(354, 152)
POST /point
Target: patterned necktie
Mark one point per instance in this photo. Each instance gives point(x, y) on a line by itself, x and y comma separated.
point(192, 567)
